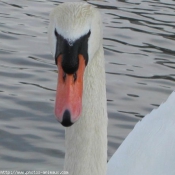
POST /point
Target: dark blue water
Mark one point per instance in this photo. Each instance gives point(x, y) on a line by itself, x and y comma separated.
point(139, 43)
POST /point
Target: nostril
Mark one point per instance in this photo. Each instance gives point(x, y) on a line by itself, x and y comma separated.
point(75, 76)
point(64, 76)
point(66, 122)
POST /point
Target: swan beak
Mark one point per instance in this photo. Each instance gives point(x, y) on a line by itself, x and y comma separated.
point(68, 104)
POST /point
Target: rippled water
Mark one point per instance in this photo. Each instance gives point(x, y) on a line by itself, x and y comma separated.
point(139, 43)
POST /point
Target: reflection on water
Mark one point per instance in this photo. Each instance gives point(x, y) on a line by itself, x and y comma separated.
point(140, 61)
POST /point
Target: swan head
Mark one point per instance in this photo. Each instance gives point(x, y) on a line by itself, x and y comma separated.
point(75, 36)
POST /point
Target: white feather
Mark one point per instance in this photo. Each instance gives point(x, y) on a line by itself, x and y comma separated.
point(73, 20)
point(150, 148)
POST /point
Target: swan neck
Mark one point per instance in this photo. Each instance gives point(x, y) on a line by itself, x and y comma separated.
point(86, 140)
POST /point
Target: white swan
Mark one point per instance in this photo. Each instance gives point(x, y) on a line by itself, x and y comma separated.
point(75, 36)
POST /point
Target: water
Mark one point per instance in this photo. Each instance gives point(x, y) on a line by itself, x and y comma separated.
point(139, 43)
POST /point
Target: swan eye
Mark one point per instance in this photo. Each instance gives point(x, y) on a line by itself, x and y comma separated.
point(84, 46)
point(56, 34)
point(59, 45)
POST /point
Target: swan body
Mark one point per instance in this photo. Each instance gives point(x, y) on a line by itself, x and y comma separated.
point(75, 34)
point(149, 149)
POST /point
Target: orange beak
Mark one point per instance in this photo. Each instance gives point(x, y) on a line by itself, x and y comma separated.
point(68, 104)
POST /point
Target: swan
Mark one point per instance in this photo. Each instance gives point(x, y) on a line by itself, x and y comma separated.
point(75, 37)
